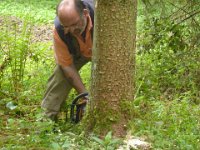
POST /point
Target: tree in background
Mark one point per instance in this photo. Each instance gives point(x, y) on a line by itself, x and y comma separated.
point(113, 63)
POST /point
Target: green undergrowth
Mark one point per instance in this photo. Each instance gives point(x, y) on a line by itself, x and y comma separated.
point(168, 124)
point(39, 12)
point(25, 129)
point(166, 106)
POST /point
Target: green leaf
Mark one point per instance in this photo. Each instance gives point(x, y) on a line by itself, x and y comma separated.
point(11, 106)
point(114, 141)
point(138, 100)
point(108, 137)
point(66, 144)
point(110, 148)
point(55, 146)
point(98, 140)
point(11, 121)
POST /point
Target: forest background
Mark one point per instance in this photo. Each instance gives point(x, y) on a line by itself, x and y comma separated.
point(167, 99)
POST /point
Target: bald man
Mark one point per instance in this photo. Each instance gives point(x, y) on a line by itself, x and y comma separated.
point(73, 48)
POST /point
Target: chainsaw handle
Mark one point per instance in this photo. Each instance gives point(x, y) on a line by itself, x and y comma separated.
point(74, 119)
point(78, 97)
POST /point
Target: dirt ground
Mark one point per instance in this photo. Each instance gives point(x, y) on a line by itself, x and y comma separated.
point(40, 33)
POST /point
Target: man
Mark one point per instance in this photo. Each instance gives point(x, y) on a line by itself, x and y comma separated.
point(73, 48)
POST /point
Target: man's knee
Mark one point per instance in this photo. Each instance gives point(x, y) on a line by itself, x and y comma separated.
point(51, 114)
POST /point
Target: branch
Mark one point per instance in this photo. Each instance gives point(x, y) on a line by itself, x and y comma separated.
point(183, 9)
point(191, 14)
point(179, 9)
point(146, 3)
point(195, 13)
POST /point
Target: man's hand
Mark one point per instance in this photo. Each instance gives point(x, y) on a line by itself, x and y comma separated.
point(81, 108)
point(74, 78)
point(83, 100)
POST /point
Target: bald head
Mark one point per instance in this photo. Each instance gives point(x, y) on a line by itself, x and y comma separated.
point(67, 12)
point(72, 15)
point(77, 4)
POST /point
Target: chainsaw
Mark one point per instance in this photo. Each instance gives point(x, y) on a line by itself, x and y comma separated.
point(77, 108)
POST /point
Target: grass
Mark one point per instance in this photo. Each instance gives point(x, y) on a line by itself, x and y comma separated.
point(20, 8)
point(169, 124)
point(166, 120)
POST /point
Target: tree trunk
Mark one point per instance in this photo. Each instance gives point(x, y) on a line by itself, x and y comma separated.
point(113, 65)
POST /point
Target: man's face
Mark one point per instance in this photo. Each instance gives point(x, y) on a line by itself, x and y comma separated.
point(75, 25)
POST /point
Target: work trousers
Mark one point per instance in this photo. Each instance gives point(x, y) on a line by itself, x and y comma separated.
point(58, 88)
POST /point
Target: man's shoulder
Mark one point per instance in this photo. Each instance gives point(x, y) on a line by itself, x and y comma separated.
point(90, 3)
point(57, 22)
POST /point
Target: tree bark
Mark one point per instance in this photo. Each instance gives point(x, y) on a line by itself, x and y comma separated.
point(113, 66)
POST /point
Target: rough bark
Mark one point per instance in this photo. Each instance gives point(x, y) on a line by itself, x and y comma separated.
point(113, 63)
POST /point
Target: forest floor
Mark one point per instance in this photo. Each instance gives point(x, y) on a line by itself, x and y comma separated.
point(168, 120)
point(40, 32)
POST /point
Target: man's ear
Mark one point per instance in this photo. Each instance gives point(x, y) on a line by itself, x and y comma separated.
point(85, 12)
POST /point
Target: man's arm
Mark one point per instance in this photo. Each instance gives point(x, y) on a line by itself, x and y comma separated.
point(74, 78)
point(64, 59)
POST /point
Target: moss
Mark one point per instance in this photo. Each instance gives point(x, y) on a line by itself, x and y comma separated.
point(127, 107)
point(101, 119)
